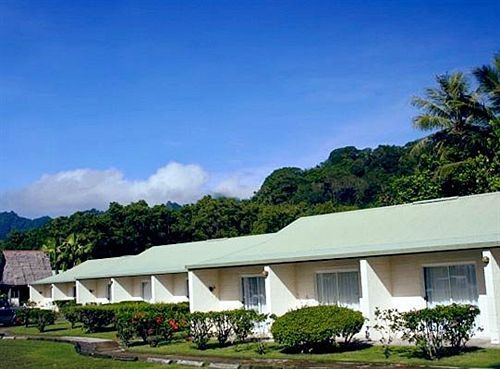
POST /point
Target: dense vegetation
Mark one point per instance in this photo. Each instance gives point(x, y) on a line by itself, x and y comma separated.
point(461, 156)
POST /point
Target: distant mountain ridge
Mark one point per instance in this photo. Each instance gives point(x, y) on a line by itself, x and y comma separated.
point(10, 221)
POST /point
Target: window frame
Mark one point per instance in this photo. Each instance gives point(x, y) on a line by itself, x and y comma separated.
point(445, 264)
point(251, 275)
point(336, 271)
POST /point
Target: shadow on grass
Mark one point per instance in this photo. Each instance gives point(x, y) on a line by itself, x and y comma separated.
point(415, 353)
point(329, 348)
point(54, 329)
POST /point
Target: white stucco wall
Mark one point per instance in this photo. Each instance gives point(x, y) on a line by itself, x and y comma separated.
point(201, 298)
point(306, 277)
point(376, 285)
point(281, 288)
point(225, 284)
point(408, 289)
point(386, 282)
point(492, 299)
point(170, 288)
point(41, 294)
point(62, 291)
point(92, 291)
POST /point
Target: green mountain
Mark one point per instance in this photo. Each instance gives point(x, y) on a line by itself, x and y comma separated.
point(10, 221)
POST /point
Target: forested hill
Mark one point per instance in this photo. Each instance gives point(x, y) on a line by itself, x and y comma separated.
point(460, 157)
point(10, 221)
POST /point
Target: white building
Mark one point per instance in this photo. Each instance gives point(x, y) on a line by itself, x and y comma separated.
point(406, 257)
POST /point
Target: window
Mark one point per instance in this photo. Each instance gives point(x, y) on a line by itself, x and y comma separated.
point(339, 288)
point(146, 290)
point(254, 293)
point(450, 283)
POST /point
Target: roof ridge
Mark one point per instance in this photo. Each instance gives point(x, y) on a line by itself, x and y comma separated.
point(420, 202)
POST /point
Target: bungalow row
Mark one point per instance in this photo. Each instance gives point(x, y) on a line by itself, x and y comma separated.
point(405, 256)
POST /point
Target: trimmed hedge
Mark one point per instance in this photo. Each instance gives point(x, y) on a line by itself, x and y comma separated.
point(316, 328)
point(95, 317)
point(39, 317)
point(43, 318)
point(124, 314)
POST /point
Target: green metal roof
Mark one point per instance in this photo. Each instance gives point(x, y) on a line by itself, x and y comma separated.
point(173, 258)
point(164, 259)
point(86, 268)
point(425, 226)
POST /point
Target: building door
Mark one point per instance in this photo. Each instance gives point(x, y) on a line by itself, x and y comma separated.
point(450, 283)
point(146, 291)
point(254, 293)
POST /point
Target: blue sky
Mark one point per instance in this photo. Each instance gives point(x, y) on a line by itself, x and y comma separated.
point(117, 100)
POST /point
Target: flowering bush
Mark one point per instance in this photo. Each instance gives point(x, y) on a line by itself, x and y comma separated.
point(153, 323)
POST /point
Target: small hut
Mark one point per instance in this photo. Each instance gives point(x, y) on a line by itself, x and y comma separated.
point(19, 268)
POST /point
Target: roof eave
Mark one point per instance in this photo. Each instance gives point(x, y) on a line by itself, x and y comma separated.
point(350, 255)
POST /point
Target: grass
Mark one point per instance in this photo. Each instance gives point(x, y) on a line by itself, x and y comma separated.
point(474, 357)
point(61, 328)
point(24, 354)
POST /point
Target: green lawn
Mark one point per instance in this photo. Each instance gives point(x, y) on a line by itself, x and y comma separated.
point(24, 354)
point(485, 358)
point(61, 328)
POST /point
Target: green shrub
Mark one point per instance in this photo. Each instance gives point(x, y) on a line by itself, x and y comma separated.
point(24, 315)
point(200, 329)
point(71, 313)
point(435, 329)
point(95, 317)
point(315, 328)
point(221, 322)
point(43, 318)
point(64, 303)
point(243, 322)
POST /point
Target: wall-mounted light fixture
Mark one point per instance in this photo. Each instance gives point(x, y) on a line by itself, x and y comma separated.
point(211, 288)
point(486, 260)
point(265, 273)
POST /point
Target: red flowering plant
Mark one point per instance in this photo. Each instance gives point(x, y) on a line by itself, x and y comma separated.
point(154, 323)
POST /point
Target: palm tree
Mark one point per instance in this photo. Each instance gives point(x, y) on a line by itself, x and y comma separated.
point(73, 250)
point(488, 77)
point(50, 248)
point(451, 106)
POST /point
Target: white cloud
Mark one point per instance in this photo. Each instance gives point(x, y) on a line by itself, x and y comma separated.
point(235, 186)
point(80, 189)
